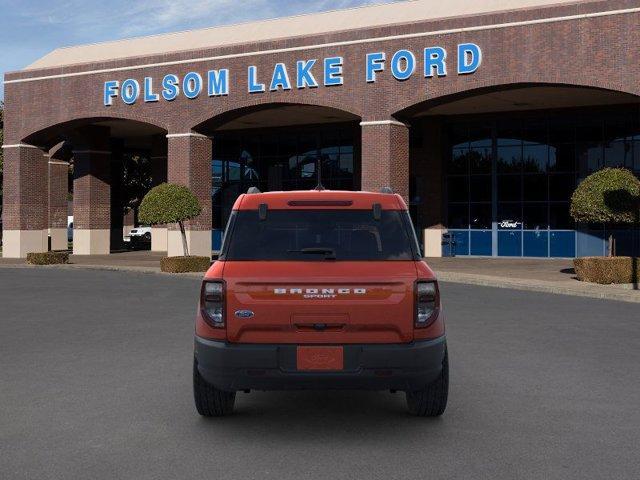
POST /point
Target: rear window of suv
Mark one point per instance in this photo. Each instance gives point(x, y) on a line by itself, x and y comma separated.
point(318, 235)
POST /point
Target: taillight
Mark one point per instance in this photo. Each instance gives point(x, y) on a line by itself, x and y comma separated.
point(427, 303)
point(212, 303)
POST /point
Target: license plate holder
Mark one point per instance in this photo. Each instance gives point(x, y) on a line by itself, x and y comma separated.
point(320, 359)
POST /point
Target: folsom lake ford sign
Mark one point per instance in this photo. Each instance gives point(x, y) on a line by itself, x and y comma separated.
point(309, 73)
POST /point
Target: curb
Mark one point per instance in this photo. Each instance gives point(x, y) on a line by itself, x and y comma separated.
point(111, 268)
point(604, 292)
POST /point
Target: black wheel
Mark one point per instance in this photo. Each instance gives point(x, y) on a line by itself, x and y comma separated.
point(211, 402)
point(147, 236)
point(432, 401)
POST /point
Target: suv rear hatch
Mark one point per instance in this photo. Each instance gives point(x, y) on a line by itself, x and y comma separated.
point(320, 276)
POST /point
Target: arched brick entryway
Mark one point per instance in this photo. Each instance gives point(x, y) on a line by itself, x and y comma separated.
point(523, 148)
point(36, 185)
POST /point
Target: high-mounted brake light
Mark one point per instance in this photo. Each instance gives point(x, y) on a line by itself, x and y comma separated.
point(212, 303)
point(427, 303)
point(320, 203)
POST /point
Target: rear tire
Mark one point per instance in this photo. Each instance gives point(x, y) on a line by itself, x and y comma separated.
point(211, 402)
point(432, 401)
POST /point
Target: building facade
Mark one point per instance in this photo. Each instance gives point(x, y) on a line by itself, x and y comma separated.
point(483, 119)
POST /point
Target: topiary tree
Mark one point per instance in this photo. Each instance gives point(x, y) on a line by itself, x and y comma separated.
point(170, 203)
point(610, 195)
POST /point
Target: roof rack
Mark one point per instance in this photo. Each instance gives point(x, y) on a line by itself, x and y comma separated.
point(253, 190)
point(386, 190)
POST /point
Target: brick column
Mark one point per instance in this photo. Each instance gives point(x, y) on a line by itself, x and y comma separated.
point(385, 156)
point(427, 154)
point(159, 175)
point(58, 190)
point(189, 164)
point(24, 201)
point(92, 193)
point(116, 240)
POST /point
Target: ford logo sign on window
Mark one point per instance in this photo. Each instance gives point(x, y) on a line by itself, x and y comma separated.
point(244, 313)
point(509, 224)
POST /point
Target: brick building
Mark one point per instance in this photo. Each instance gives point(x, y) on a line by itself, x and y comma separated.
point(484, 119)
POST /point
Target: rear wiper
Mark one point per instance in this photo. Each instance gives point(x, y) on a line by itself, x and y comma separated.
point(329, 253)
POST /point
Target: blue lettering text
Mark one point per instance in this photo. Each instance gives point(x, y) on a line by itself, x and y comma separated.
point(218, 82)
point(170, 87)
point(110, 92)
point(375, 63)
point(280, 78)
point(333, 71)
point(130, 91)
point(469, 58)
point(192, 85)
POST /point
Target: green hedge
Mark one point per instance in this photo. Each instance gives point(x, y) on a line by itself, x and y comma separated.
point(48, 258)
point(607, 270)
point(185, 264)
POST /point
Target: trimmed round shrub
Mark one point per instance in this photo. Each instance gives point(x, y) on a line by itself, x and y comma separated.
point(48, 258)
point(168, 203)
point(610, 195)
point(607, 270)
point(185, 264)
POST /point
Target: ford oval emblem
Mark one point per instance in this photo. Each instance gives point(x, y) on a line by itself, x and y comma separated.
point(244, 313)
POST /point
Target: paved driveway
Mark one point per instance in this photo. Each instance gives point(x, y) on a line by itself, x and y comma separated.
point(95, 383)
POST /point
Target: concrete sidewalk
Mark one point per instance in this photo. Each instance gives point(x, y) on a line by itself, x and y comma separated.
point(142, 261)
point(539, 275)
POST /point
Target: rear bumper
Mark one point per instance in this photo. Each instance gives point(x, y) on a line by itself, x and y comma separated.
point(234, 367)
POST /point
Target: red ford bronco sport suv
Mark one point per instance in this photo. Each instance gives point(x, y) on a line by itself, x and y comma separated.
point(320, 290)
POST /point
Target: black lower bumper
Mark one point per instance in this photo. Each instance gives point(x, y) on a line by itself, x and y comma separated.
point(232, 367)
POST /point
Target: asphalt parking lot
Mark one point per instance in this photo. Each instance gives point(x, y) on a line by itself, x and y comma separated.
point(95, 382)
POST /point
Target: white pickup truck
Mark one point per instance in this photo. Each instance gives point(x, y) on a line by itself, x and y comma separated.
point(139, 236)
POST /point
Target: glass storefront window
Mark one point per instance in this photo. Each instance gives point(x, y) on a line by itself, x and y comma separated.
point(559, 217)
point(618, 154)
point(509, 188)
point(562, 157)
point(346, 164)
point(509, 216)
point(636, 156)
point(287, 145)
point(479, 136)
point(535, 243)
point(458, 215)
point(480, 218)
point(589, 157)
point(535, 188)
point(535, 158)
point(281, 159)
point(508, 133)
point(589, 129)
point(235, 171)
point(561, 186)
point(535, 133)
point(480, 188)
point(480, 159)
point(458, 189)
point(535, 216)
point(534, 161)
point(509, 158)
point(459, 162)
